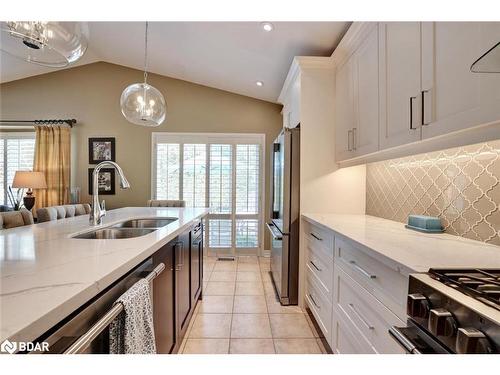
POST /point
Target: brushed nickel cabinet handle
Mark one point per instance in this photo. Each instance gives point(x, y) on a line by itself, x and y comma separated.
point(362, 270)
point(315, 236)
point(426, 107)
point(349, 148)
point(315, 266)
point(313, 301)
point(411, 112)
point(361, 317)
point(354, 143)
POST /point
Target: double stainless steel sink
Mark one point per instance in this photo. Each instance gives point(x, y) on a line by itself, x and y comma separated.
point(127, 229)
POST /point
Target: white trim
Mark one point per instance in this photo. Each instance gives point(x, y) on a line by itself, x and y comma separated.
point(215, 138)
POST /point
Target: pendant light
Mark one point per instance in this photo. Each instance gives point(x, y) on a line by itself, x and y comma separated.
point(141, 103)
point(53, 44)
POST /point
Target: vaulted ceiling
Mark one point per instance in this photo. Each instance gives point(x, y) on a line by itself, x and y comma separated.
point(230, 56)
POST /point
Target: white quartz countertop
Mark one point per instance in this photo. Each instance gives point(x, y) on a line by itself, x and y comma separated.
point(45, 274)
point(415, 250)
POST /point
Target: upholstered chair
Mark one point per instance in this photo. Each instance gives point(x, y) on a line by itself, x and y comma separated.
point(61, 212)
point(14, 219)
point(166, 203)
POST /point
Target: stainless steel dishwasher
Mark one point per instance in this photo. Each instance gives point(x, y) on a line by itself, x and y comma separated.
point(87, 329)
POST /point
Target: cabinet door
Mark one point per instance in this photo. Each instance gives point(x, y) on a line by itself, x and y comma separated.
point(400, 93)
point(366, 95)
point(454, 97)
point(344, 111)
point(183, 281)
point(196, 262)
point(164, 300)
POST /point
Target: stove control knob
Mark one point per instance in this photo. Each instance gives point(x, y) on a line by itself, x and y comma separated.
point(472, 341)
point(417, 306)
point(442, 323)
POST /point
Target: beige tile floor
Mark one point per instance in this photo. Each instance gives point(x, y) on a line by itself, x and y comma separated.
point(240, 314)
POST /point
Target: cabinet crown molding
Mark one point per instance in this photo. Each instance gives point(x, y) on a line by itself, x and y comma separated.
point(354, 36)
point(302, 63)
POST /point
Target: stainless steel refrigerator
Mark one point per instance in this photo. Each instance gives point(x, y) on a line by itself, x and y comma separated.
point(284, 225)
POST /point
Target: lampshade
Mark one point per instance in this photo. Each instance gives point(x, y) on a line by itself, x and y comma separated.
point(28, 179)
point(54, 44)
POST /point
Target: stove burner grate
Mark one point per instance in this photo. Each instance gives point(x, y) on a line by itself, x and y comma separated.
point(481, 284)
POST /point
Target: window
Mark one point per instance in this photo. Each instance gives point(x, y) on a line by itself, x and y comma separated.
point(17, 151)
point(220, 171)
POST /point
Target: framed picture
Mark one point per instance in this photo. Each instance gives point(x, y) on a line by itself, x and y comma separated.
point(106, 181)
point(101, 149)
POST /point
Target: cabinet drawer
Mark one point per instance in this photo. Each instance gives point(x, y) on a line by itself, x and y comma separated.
point(384, 282)
point(319, 239)
point(371, 318)
point(319, 305)
point(321, 266)
point(346, 338)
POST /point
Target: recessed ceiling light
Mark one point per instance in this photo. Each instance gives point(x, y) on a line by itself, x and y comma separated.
point(259, 83)
point(267, 26)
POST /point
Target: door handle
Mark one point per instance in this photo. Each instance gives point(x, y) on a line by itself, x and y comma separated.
point(354, 143)
point(403, 341)
point(313, 301)
point(349, 148)
point(426, 106)
point(315, 236)
point(412, 98)
point(315, 266)
point(362, 270)
point(361, 317)
point(277, 236)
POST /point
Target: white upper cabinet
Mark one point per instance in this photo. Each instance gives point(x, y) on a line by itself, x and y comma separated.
point(367, 95)
point(454, 98)
point(400, 91)
point(290, 97)
point(356, 100)
point(344, 111)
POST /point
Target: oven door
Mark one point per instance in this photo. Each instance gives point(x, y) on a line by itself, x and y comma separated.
point(416, 341)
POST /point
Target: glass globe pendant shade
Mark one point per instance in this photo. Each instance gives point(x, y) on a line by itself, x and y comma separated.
point(53, 44)
point(142, 104)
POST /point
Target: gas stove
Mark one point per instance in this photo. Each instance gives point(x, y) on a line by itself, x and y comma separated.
point(452, 311)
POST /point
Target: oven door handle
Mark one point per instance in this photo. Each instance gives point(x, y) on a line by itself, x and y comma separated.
point(403, 340)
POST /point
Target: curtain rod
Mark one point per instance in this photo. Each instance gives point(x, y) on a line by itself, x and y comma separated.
point(69, 122)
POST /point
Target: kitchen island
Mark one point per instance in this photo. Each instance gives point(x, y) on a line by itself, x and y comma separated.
point(46, 274)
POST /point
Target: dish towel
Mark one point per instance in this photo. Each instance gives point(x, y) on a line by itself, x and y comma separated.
point(132, 331)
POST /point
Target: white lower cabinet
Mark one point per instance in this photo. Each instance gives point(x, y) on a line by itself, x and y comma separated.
point(368, 316)
point(354, 297)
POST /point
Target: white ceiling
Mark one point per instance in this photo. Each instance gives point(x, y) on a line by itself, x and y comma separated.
point(230, 56)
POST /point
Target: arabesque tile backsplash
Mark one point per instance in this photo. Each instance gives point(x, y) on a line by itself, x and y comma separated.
point(460, 185)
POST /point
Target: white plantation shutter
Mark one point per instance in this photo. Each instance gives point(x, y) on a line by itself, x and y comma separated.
point(220, 171)
point(167, 171)
point(247, 179)
point(194, 175)
point(17, 155)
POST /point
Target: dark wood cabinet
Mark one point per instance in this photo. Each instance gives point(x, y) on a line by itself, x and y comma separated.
point(196, 262)
point(177, 289)
point(183, 280)
point(164, 300)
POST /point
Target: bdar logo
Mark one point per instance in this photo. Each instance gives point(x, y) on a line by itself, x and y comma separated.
point(8, 347)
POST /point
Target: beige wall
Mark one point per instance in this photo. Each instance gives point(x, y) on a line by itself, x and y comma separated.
point(91, 94)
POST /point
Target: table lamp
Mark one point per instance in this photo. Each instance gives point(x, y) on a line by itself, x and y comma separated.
point(30, 180)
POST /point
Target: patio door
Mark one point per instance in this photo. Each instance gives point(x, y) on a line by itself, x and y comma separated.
point(222, 171)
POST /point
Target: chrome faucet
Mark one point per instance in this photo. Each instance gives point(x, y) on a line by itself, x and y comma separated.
point(98, 210)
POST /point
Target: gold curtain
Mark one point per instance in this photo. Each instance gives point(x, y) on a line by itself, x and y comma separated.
point(52, 157)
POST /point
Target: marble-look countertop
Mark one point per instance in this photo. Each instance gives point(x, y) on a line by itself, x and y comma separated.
point(45, 274)
point(414, 250)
